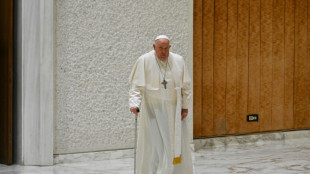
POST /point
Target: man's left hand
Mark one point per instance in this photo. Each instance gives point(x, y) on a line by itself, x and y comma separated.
point(184, 113)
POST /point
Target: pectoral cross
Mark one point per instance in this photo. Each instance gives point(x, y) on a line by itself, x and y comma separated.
point(164, 83)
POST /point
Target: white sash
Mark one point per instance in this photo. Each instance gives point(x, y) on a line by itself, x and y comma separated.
point(178, 129)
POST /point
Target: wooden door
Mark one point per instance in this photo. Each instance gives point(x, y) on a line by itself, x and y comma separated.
point(6, 87)
point(251, 57)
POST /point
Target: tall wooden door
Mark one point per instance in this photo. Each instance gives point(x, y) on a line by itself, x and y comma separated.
point(251, 57)
point(6, 81)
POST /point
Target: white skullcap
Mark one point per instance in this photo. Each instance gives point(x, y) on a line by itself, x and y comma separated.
point(161, 37)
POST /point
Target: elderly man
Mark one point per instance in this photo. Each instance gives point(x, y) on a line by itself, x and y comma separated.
point(161, 91)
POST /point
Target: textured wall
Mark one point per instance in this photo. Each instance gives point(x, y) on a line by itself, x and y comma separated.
point(97, 43)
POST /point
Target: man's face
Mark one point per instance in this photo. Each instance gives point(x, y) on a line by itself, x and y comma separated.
point(161, 48)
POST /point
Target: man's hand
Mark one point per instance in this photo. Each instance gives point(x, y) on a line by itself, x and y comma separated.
point(184, 113)
point(134, 110)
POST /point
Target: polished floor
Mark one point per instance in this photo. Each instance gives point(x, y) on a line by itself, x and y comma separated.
point(278, 157)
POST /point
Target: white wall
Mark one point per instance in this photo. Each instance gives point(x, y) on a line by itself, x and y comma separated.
point(97, 43)
point(33, 82)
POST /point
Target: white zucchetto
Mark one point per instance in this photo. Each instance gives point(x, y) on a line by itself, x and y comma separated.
point(161, 37)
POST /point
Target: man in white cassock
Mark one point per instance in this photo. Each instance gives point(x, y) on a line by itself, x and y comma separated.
point(161, 92)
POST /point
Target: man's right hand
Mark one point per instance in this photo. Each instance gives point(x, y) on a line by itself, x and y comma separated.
point(134, 110)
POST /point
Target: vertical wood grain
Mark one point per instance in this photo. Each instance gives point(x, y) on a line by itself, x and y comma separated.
point(254, 63)
point(307, 123)
point(263, 46)
point(300, 74)
point(288, 116)
point(6, 78)
point(10, 81)
point(266, 65)
point(220, 37)
point(231, 89)
point(197, 106)
point(242, 64)
point(308, 68)
point(278, 65)
point(207, 68)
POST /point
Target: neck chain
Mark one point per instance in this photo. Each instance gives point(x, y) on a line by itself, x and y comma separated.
point(164, 76)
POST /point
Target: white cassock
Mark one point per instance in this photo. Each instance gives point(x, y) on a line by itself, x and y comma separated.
point(163, 144)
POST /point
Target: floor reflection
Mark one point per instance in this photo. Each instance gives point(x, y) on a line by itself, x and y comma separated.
point(276, 158)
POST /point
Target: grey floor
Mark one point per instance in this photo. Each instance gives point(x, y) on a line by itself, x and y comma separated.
point(291, 157)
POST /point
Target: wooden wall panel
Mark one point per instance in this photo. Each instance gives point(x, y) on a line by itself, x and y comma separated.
point(207, 66)
point(197, 106)
point(266, 65)
point(289, 64)
point(308, 68)
point(254, 63)
point(278, 65)
point(242, 64)
point(6, 78)
point(253, 57)
point(300, 75)
point(219, 65)
point(231, 77)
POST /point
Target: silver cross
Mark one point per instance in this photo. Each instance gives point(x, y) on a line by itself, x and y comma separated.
point(164, 83)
